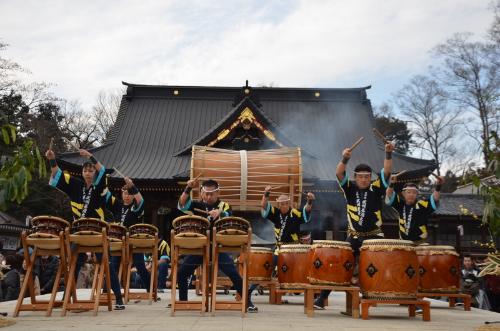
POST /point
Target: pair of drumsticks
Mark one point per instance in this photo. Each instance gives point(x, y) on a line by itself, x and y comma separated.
point(377, 134)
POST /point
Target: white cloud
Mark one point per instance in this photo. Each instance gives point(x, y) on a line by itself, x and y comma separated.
point(87, 46)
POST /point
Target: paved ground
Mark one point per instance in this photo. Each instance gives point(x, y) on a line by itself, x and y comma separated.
point(141, 316)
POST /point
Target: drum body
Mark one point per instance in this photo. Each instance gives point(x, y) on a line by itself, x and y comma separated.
point(46, 230)
point(88, 231)
point(388, 269)
point(260, 264)
point(190, 231)
point(143, 230)
point(116, 235)
point(293, 266)
point(232, 231)
point(50, 226)
point(439, 269)
point(331, 263)
point(116, 232)
point(143, 235)
point(243, 175)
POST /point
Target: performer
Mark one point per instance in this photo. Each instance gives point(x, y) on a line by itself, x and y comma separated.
point(128, 212)
point(413, 213)
point(287, 221)
point(216, 209)
point(87, 200)
point(364, 203)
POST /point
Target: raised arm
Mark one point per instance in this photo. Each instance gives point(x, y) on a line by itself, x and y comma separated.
point(51, 156)
point(341, 166)
point(389, 199)
point(389, 148)
point(183, 199)
point(309, 203)
point(265, 197)
point(132, 189)
point(436, 194)
point(86, 154)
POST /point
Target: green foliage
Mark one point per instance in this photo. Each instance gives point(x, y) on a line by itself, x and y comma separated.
point(17, 170)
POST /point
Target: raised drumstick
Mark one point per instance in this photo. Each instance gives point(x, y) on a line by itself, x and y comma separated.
point(433, 174)
point(356, 143)
point(118, 172)
point(200, 174)
point(400, 173)
point(380, 135)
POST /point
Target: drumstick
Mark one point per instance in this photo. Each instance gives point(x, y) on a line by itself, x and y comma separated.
point(380, 135)
point(276, 187)
point(199, 175)
point(400, 173)
point(433, 174)
point(118, 172)
point(201, 211)
point(356, 143)
point(51, 144)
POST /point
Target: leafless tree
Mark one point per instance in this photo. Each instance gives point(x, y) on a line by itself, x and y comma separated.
point(78, 125)
point(8, 71)
point(470, 72)
point(433, 123)
point(106, 110)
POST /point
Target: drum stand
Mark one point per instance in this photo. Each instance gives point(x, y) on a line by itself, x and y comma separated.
point(52, 246)
point(143, 245)
point(117, 248)
point(452, 298)
point(198, 246)
point(351, 296)
point(95, 243)
point(411, 303)
point(227, 244)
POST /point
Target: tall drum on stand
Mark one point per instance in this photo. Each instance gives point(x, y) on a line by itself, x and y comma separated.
point(388, 269)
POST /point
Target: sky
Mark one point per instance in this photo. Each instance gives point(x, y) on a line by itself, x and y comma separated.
point(83, 47)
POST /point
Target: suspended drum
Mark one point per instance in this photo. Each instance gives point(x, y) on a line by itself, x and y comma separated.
point(439, 269)
point(46, 230)
point(331, 263)
point(293, 266)
point(88, 231)
point(243, 175)
point(232, 231)
point(116, 235)
point(388, 269)
point(143, 235)
point(260, 264)
point(190, 231)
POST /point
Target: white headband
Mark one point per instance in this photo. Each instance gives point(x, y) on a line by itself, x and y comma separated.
point(283, 199)
point(207, 191)
point(411, 188)
point(362, 173)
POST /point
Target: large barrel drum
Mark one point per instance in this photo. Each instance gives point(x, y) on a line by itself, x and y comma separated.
point(243, 175)
point(439, 269)
point(260, 264)
point(331, 263)
point(388, 269)
point(293, 266)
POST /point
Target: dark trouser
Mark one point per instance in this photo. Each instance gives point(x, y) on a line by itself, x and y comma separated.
point(191, 262)
point(254, 286)
point(138, 262)
point(355, 245)
point(162, 274)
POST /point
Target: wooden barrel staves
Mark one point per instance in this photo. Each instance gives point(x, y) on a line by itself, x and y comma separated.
point(243, 175)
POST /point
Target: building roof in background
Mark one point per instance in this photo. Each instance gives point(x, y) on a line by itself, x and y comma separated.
point(156, 124)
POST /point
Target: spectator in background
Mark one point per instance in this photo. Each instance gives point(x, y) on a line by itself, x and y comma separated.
point(46, 269)
point(11, 283)
point(472, 284)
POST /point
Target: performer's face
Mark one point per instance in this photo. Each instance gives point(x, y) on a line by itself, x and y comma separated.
point(211, 196)
point(284, 206)
point(410, 195)
point(88, 173)
point(127, 198)
point(363, 179)
point(467, 263)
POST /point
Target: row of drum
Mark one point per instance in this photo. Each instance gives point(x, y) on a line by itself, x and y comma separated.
point(387, 268)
